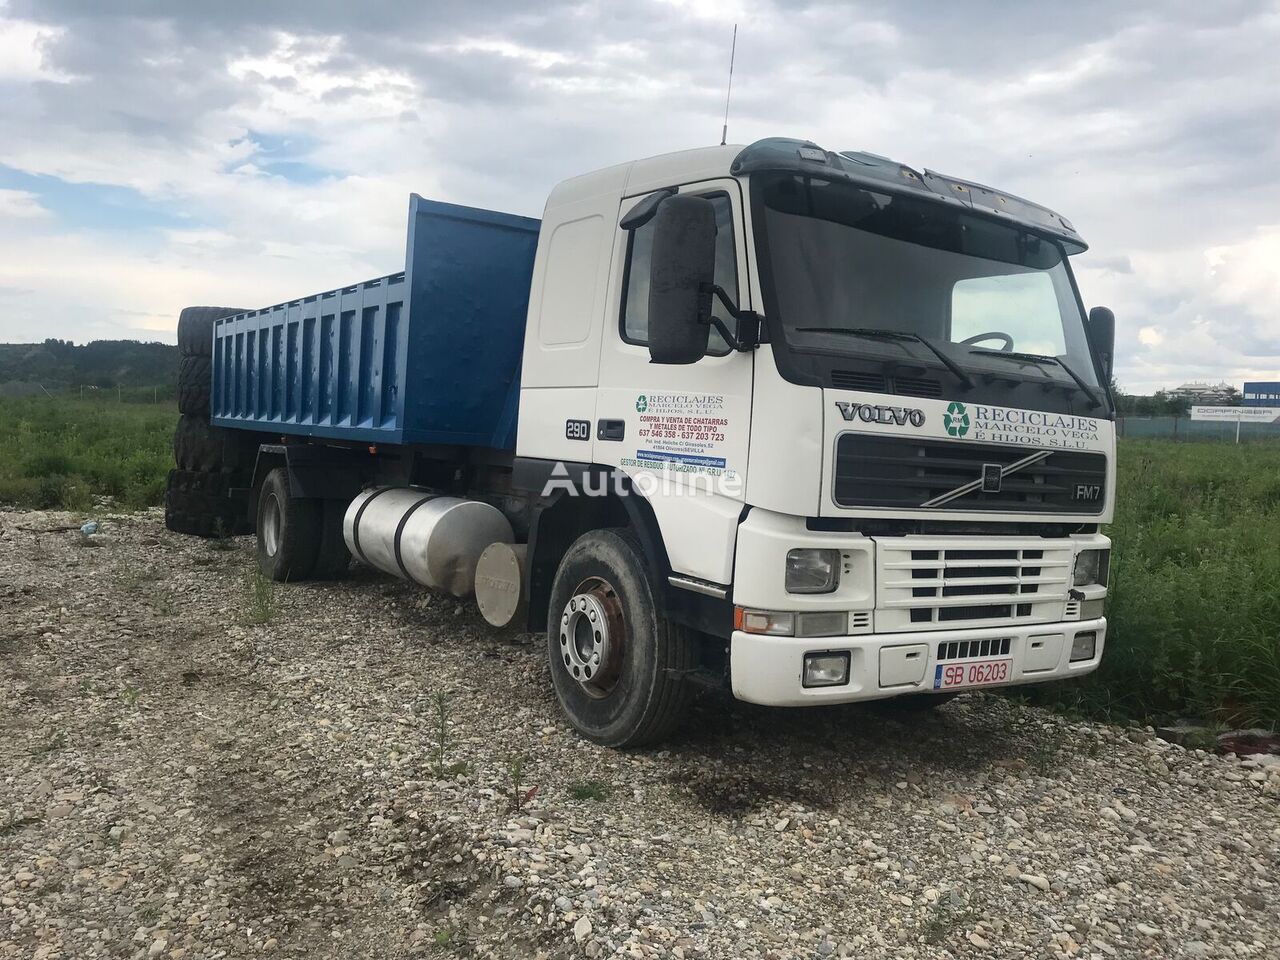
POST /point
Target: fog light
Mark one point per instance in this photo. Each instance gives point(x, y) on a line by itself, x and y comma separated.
point(826, 669)
point(1083, 646)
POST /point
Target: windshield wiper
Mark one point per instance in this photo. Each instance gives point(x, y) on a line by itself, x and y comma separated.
point(875, 333)
point(1045, 358)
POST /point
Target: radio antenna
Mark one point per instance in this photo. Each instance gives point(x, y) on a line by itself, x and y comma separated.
point(733, 50)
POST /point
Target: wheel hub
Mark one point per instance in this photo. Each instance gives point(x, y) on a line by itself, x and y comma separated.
point(271, 526)
point(592, 636)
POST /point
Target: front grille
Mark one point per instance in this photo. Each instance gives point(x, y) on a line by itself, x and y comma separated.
point(918, 386)
point(973, 649)
point(857, 380)
point(898, 472)
point(879, 383)
point(952, 582)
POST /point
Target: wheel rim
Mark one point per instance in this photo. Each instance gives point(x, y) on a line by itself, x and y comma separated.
point(271, 525)
point(593, 637)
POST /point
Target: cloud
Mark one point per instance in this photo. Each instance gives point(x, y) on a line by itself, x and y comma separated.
point(256, 151)
point(22, 45)
point(21, 205)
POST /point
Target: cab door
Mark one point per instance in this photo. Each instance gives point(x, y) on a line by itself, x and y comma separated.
point(679, 431)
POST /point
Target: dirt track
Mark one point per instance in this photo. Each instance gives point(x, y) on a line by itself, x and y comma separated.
point(177, 782)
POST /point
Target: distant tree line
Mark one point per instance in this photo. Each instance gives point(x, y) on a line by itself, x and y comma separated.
point(1161, 403)
point(99, 363)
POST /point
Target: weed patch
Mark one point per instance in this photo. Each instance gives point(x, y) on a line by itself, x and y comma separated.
point(61, 452)
point(259, 597)
point(1194, 604)
point(589, 790)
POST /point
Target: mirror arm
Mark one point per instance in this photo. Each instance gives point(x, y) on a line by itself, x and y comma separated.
point(750, 323)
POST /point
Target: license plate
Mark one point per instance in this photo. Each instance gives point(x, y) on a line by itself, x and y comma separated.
point(971, 673)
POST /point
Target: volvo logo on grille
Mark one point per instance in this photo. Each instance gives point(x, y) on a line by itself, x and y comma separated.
point(989, 481)
point(992, 475)
point(878, 413)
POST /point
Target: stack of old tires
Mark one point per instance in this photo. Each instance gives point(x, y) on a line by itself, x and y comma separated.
point(205, 495)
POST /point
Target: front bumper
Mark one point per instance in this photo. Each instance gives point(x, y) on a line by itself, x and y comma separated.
point(767, 670)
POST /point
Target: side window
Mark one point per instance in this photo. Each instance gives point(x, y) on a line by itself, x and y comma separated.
point(635, 290)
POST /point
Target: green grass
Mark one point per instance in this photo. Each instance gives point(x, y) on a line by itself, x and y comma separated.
point(60, 452)
point(260, 605)
point(1194, 606)
point(589, 790)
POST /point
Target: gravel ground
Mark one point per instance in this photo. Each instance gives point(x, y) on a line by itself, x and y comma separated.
point(176, 781)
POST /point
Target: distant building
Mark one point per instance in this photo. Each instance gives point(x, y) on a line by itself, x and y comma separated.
point(1205, 393)
point(1262, 393)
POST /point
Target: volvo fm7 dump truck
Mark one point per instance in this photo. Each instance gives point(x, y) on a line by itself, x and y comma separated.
point(815, 426)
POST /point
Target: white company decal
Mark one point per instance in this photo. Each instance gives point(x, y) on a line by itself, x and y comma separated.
point(976, 421)
point(682, 432)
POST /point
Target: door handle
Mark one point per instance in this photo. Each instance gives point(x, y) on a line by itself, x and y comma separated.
point(610, 429)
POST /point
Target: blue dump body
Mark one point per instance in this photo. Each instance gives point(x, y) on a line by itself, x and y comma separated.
point(430, 355)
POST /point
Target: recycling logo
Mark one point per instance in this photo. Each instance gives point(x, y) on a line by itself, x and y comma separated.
point(956, 419)
point(642, 403)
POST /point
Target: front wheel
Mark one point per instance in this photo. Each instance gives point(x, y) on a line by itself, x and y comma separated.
point(618, 666)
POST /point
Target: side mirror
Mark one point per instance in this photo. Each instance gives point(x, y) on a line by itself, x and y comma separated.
point(1102, 333)
point(681, 271)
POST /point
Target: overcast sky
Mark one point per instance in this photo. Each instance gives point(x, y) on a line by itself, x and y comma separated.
point(249, 152)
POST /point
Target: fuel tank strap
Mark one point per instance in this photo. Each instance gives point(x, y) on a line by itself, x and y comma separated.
point(400, 530)
point(355, 523)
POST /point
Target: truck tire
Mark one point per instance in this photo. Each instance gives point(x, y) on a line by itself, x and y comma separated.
point(333, 559)
point(195, 384)
point(203, 505)
point(199, 446)
point(619, 667)
point(195, 329)
point(289, 530)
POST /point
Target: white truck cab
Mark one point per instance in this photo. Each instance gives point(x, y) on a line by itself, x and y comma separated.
point(848, 421)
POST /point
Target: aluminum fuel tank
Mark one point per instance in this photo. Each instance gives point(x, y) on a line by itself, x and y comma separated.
point(430, 539)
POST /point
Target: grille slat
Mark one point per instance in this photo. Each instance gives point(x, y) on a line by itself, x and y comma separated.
point(885, 471)
point(879, 383)
point(958, 582)
point(974, 649)
point(857, 380)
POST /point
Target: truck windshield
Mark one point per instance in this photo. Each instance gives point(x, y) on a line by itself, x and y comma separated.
point(841, 257)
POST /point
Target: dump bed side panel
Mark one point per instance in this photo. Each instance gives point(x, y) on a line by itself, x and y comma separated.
point(429, 355)
point(325, 365)
point(469, 272)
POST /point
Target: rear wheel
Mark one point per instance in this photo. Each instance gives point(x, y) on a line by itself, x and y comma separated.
point(618, 666)
point(289, 530)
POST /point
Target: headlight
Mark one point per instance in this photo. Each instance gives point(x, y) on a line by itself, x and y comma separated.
point(1091, 567)
point(812, 571)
